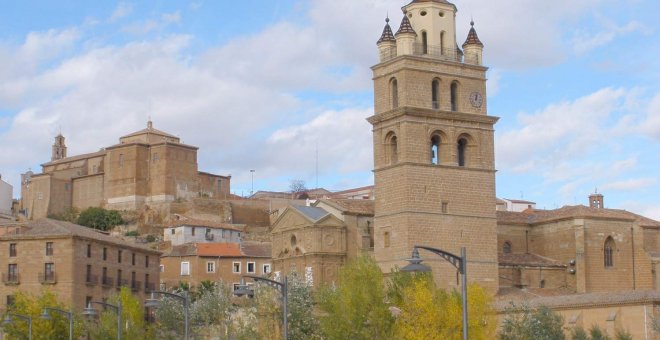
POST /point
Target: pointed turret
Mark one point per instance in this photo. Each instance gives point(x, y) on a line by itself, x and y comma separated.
point(387, 43)
point(473, 47)
point(405, 37)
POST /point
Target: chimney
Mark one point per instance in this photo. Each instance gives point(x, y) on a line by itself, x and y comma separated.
point(596, 201)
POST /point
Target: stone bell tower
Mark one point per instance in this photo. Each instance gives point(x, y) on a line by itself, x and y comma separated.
point(434, 161)
point(59, 148)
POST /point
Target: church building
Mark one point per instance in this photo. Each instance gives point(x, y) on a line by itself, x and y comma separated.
point(146, 167)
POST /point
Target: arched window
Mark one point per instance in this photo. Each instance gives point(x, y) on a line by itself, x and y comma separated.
point(435, 94)
point(442, 42)
point(425, 46)
point(454, 96)
point(507, 247)
point(435, 149)
point(391, 148)
point(608, 252)
point(462, 151)
point(394, 93)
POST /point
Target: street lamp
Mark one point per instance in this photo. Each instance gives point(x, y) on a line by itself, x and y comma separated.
point(8, 321)
point(459, 262)
point(252, 178)
point(153, 302)
point(89, 311)
point(45, 315)
point(281, 287)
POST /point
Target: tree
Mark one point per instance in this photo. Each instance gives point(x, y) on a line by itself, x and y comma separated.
point(99, 218)
point(431, 313)
point(298, 189)
point(302, 323)
point(132, 315)
point(524, 323)
point(29, 305)
point(212, 309)
point(356, 308)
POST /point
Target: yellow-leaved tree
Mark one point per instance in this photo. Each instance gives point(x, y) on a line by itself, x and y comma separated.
point(431, 313)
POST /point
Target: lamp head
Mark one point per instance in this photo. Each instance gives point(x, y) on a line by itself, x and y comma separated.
point(89, 311)
point(7, 320)
point(415, 264)
point(152, 302)
point(45, 315)
point(243, 289)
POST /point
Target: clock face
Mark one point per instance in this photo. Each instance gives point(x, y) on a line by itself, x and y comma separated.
point(476, 99)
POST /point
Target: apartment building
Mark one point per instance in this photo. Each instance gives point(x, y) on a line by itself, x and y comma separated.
point(77, 263)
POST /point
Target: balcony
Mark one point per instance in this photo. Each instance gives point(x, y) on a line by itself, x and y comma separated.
point(48, 278)
point(430, 51)
point(11, 279)
point(135, 285)
point(91, 280)
point(107, 281)
point(149, 287)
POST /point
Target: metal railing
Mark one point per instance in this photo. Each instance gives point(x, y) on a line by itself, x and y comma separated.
point(11, 278)
point(91, 279)
point(135, 285)
point(48, 277)
point(122, 283)
point(209, 237)
point(107, 281)
point(149, 287)
point(431, 51)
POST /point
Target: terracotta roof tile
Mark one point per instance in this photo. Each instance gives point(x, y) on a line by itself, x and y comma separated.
point(472, 38)
point(76, 158)
point(256, 249)
point(219, 249)
point(507, 296)
point(535, 216)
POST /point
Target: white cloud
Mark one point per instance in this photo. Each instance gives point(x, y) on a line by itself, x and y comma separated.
point(584, 42)
point(122, 10)
point(630, 184)
point(171, 18)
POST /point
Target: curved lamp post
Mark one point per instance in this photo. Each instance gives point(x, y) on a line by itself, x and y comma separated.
point(153, 302)
point(89, 311)
point(45, 315)
point(460, 262)
point(8, 321)
point(281, 287)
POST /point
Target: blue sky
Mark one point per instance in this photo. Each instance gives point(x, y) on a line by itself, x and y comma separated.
point(268, 85)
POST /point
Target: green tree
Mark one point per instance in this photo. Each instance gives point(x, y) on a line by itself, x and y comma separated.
point(578, 333)
point(169, 318)
point(598, 334)
point(532, 324)
point(211, 311)
point(356, 308)
point(29, 305)
point(99, 218)
point(133, 325)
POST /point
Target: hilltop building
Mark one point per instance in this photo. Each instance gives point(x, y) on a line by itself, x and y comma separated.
point(146, 167)
point(6, 199)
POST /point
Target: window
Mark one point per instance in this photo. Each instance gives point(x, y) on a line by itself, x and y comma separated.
point(445, 206)
point(462, 146)
point(88, 275)
point(161, 268)
point(133, 280)
point(49, 271)
point(146, 261)
point(10, 300)
point(391, 148)
point(425, 46)
point(94, 169)
point(435, 94)
point(224, 233)
point(185, 268)
point(454, 96)
point(88, 301)
point(394, 93)
point(119, 256)
point(442, 40)
point(507, 247)
point(236, 268)
point(133, 258)
point(105, 253)
point(12, 272)
point(172, 231)
point(608, 252)
point(386, 239)
point(251, 267)
point(193, 231)
point(49, 248)
point(104, 274)
point(219, 185)
point(12, 250)
point(266, 269)
point(236, 286)
point(435, 150)
point(119, 277)
point(121, 160)
point(210, 267)
point(89, 250)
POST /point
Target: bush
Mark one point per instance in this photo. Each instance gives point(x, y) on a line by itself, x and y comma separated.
point(151, 238)
point(99, 218)
point(132, 233)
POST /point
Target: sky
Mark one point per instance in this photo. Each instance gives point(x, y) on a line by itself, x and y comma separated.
point(284, 88)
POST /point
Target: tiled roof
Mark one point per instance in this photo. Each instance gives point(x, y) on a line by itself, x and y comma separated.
point(351, 206)
point(387, 33)
point(505, 297)
point(46, 227)
point(150, 130)
point(76, 158)
point(405, 26)
point(535, 216)
point(313, 213)
point(527, 260)
point(186, 221)
point(219, 249)
point(256, 249)
point(186, 249)
point(472, 38)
